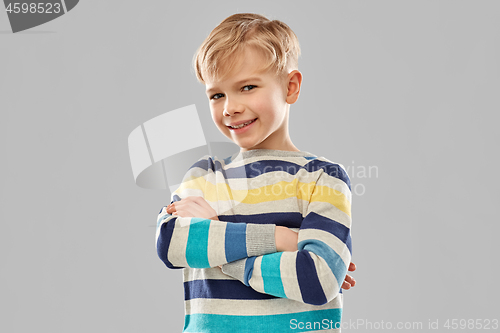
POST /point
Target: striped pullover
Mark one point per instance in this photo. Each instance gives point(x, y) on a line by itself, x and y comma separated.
point(234, 279)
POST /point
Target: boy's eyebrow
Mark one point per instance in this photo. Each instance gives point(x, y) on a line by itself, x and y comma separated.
point(236, 84)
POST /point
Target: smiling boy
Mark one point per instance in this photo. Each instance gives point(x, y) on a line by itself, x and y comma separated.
point(275, 258)
point(252, 92)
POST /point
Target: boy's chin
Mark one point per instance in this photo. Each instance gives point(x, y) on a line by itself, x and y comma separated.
point(247, 145)
point(243, 145)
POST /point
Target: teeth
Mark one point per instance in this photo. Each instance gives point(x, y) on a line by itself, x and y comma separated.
point(242, 125)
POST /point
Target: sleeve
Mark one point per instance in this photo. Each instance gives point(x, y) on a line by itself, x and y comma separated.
point(313, 274)
point(202, 243)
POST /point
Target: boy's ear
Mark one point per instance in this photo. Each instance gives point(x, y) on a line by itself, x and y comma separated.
point(294, 81)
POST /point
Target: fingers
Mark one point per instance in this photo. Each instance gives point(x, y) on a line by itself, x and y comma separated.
point(346, 285)
point(171, 208)
point(349, 279)
point(202, 202)
point(176, 209)
point(189, 211)
point(352, 267)
point(192, 206)
point(348, 282)
point(177, 205)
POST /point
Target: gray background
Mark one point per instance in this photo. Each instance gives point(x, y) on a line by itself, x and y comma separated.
point(408, 87)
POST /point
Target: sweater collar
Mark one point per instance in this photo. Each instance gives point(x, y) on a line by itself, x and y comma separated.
point(271, 152)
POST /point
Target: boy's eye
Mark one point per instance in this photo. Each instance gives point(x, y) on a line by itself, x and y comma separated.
point(217, 96)
point(245, 88)
point(249, 87)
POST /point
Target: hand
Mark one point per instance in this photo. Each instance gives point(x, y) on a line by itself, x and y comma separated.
point(349, 281)
point(193, 206)
point(286, 239)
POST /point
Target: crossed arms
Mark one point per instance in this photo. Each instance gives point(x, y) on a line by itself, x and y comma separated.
point(309, 266)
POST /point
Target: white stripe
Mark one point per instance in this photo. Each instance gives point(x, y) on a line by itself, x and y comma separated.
point(178, 243)
point(254, 307)
point(289, 276)
point(292, 205)
point(214, 273)
point(160, 216)
point(256, 280)
point(258, 160)
point(216, 243)
point(187, 192)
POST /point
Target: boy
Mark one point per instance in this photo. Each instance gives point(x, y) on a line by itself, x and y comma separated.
point(246, 267)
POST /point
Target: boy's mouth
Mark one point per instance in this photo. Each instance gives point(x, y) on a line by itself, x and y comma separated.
point(242, 125)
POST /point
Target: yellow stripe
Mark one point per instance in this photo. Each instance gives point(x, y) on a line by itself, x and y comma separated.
point(279, 191)
point(332, 196)
point(197, 183)
point(213, 193)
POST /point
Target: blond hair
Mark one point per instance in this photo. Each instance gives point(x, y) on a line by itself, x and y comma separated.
point(218, 54)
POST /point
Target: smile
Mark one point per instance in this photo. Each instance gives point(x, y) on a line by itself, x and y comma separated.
point(244, 124)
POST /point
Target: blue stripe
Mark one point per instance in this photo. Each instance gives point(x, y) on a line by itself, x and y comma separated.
point(332, 169)
point(249, 170)
point(197, 243)
point(316, 221)
point(290, 322)
point(235, 241)
point(221, 289)
point(331, 257)
point(161, 219)
point(285, 219)
point(228, 160)
point(205, 164)
point(163, 242)
point(259, 168)
point(310, 287)
point(271, 274)
point(348, 243)
point(249, 262)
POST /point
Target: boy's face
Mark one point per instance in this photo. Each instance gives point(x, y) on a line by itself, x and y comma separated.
point(250, 94)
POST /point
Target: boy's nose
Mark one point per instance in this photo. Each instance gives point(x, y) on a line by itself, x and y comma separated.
point(231, 107)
